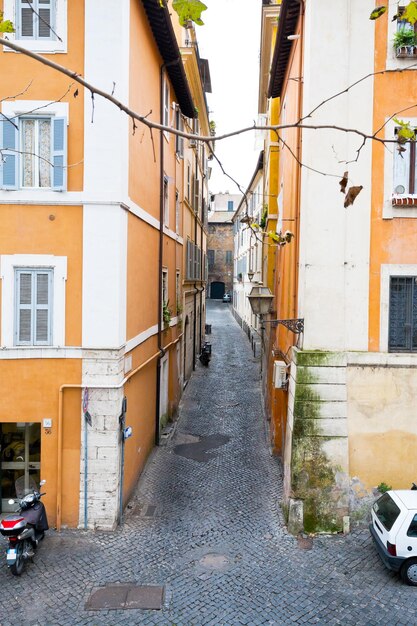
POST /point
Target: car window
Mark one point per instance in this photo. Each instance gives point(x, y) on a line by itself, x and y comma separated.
point(412, 531)
point(386, 511)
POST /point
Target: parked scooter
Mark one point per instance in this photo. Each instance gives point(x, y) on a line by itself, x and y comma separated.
point(26, 527)
point(205, 355)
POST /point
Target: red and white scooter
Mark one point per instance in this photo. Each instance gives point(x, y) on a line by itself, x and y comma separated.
point(26, 527)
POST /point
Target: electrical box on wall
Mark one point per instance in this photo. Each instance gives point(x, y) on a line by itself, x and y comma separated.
point(280, 375)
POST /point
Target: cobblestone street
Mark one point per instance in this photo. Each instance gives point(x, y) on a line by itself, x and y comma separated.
point(206, 524)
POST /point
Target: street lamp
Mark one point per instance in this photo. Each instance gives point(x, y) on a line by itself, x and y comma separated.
point(260, 300)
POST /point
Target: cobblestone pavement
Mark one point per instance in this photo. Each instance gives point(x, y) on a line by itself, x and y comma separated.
point(216, 539)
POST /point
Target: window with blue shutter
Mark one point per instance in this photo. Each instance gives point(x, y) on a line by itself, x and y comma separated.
point(402, 329)
point(33, 297)
point(9, 139)
point(37, 156)
point(35, 19)
point(59, 152)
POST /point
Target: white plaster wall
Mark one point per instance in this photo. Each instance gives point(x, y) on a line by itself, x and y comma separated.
point(334, 242)
point(104, 276)
point(107, 39)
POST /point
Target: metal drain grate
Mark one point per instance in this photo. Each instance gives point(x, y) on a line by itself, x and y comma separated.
point(149, 597)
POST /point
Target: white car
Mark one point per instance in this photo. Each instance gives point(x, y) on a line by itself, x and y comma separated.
point(394, 531)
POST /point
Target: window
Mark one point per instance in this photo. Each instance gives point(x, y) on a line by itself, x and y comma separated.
point(33, 296)
point(412, 531)
point(178, 295)
point(34, 153)
point(193, 264)
point(188, 182)
point(405, 169)
point(230, 205)
point(229, 256)
point(166, 201)
point(405, 39)
point(165, 119)
point(179, 125)
point(165, 296)
point(196, 194)
point(386, 511)
point(35, 19)
point(402, 325)
point(210, 259)
point(177, 211)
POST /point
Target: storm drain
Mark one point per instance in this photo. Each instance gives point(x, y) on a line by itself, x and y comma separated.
point(149, 597)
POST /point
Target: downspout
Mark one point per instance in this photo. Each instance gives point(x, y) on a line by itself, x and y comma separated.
point(203, 269)
point(195, 241)
point(299, 157)
point(160, 253)
point(161, 349)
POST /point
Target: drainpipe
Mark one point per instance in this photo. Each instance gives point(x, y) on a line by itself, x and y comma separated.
point(195, 241)
point(299, 157)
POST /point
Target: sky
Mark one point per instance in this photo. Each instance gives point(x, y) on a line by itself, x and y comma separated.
point(230, 40)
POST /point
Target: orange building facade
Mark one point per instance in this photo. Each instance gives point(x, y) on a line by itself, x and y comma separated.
point(344, 423)
point(93, 250)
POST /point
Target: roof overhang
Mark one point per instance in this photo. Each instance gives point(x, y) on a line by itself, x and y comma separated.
point(289, 14)
point(160, 22)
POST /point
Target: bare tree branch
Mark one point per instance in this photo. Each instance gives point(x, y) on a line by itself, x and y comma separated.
point(141, 118)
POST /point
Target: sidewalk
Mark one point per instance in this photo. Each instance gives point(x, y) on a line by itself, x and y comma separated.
point(206, 525)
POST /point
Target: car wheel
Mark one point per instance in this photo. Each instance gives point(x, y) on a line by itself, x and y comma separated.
point(409, 572)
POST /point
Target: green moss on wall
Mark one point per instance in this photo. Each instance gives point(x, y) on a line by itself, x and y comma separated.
point(313, 476)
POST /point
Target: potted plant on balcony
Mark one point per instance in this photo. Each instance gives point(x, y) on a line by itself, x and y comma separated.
point(405, 43)
point(166, 314)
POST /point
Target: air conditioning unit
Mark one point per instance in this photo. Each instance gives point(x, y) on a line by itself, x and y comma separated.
point(280, 375)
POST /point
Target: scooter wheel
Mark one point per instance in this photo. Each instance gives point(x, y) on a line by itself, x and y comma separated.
point(17, 567)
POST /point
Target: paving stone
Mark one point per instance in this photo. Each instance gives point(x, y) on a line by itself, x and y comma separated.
point(227, 506)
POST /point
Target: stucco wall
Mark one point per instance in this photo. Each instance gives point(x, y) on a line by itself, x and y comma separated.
point(382, 425)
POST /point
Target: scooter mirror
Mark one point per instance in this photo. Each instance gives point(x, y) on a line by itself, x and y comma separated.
point(11, 501)
point(42, 482)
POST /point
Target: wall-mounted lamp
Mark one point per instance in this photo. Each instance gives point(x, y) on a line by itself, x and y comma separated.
point(293, 37)
point(251, 274)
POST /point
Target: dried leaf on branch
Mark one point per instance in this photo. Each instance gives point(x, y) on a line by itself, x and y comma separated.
point(343, 183)
point(351, 195)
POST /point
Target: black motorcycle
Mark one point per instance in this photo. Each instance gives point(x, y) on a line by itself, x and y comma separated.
point(205, 354)
point(26, 527)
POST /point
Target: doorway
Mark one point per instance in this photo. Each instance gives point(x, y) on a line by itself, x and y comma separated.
point(20, 455)
point(217, 290)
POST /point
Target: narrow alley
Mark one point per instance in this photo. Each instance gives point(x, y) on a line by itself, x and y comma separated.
point(206, 525)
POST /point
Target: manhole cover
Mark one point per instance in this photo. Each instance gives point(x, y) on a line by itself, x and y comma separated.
point(126, 597)
point(214, 561)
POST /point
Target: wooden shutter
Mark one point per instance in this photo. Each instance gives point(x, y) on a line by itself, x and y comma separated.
point(42, 308)
point(9, 143)
point(26, 20)
point(45, 19)
point(24, 295)
point(59, 153)
point(33, 307)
